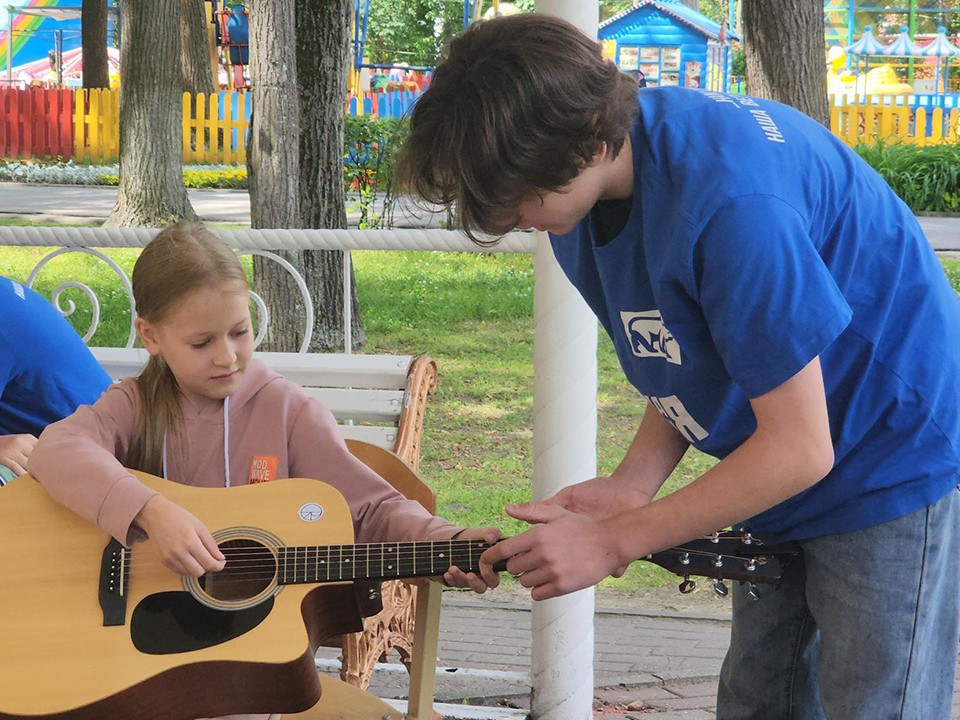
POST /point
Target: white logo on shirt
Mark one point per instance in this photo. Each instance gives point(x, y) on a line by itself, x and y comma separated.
point(18, 290)
point(649, 337)
point(676, 414)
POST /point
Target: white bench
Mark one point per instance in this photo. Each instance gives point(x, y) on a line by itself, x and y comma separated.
point(379, 402)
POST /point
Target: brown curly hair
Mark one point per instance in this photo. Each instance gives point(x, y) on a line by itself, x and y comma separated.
point(518, 104)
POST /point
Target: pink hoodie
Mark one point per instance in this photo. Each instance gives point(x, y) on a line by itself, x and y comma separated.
point(80, 459)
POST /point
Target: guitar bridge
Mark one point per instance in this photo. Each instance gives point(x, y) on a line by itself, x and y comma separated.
point(114, 578)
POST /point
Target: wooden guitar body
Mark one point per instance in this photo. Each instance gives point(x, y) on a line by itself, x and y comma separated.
point(90, 630)
point(167, 656)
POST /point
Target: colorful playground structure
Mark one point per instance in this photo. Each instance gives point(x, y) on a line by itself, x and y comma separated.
point(930, 76)
point(670, 42)
point(888, 86)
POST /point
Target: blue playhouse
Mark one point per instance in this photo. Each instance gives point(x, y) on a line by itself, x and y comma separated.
point(670, 44)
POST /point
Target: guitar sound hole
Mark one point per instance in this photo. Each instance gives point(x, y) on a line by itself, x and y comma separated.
point(249, 570)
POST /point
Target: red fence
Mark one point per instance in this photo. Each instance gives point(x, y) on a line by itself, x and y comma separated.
point(49, 123)
point(36, 122)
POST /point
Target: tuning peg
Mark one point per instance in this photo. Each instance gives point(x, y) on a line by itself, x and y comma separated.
point(720, 588)
point(688, 585)
point(750, 564)
point(753, 592)
point(748, 539)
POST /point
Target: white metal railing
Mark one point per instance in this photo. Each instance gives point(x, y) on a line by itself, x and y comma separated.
point(564, 397)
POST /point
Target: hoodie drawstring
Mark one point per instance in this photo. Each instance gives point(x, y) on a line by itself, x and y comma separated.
point(226, 445)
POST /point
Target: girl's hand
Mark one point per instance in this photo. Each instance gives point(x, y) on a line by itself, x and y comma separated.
point(14, 451)
point(487, 578)
point(185, 546)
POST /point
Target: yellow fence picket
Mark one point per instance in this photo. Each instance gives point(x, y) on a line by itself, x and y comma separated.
point(879, 118)
point(96, 123)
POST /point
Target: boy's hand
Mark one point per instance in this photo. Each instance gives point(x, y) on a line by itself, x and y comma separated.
point(185, 546)
point(487, 577)
point(599, 498)
point(565, 552)
point(15, 450)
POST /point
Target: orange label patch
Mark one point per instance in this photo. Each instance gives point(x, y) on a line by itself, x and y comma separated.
point(263, 468)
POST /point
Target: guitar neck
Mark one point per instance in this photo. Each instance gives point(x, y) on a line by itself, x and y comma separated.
point(376, 561)
point(731, 556)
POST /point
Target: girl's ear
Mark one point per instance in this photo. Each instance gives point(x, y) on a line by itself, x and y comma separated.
point(148, 335)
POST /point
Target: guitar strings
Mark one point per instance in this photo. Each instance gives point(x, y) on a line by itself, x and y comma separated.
point(252, 568)
point(252, 562)
point(416, 550)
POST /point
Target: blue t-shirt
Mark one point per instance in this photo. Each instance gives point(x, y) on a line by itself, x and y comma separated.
point(756, 242)
point(46, 371)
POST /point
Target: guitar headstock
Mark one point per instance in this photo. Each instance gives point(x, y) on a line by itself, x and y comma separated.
point(726, 556)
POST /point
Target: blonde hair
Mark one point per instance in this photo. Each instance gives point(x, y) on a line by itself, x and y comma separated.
point(181, 259)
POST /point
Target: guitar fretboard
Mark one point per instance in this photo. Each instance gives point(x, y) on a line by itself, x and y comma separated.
point(379, 561)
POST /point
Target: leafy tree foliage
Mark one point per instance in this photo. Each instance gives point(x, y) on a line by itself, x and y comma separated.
point(414, 31)
point(411, 31)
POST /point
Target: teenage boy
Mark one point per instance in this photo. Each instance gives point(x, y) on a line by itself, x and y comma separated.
point(779, 308)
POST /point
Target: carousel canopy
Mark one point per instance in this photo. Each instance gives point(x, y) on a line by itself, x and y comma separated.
point(867, 44)
point(940, 47)
point(903, 46)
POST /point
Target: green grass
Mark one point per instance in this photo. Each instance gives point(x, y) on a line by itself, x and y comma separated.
point(473, 314)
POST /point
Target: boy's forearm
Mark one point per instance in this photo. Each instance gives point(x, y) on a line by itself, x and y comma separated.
point(752, 479)
point(654, 453)
point(790, 451)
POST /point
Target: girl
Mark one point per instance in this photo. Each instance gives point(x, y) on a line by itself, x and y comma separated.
point(205, 412)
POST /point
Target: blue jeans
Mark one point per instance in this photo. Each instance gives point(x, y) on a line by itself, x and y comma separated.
point(864, 626)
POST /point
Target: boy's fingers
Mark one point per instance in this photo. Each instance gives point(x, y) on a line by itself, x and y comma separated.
point(535, 512)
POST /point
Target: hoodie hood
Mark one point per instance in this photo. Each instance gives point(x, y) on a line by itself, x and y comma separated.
point(256, 377)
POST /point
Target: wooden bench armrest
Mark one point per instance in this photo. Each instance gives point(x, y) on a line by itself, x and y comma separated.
point(421, 382)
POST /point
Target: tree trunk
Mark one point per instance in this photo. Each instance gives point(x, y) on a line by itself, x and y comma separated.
point(93, 40)
point(783, 43)
point(323, 40)
point(151, 189)
point(273, 159)
point(194, 48)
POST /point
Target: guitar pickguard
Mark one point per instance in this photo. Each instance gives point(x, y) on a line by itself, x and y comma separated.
point(173, 622)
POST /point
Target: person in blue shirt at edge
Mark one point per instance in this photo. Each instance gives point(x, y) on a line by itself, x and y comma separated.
point(46, 372)
point(779, 308)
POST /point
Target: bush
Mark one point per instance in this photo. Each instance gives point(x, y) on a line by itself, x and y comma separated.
point(51, 171)
point(926, 178)
point(370, 149)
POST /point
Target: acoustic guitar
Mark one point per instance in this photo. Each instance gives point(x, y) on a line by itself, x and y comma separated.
point(91, 630)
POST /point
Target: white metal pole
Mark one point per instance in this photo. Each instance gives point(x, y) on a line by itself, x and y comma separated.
point(564, 451)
